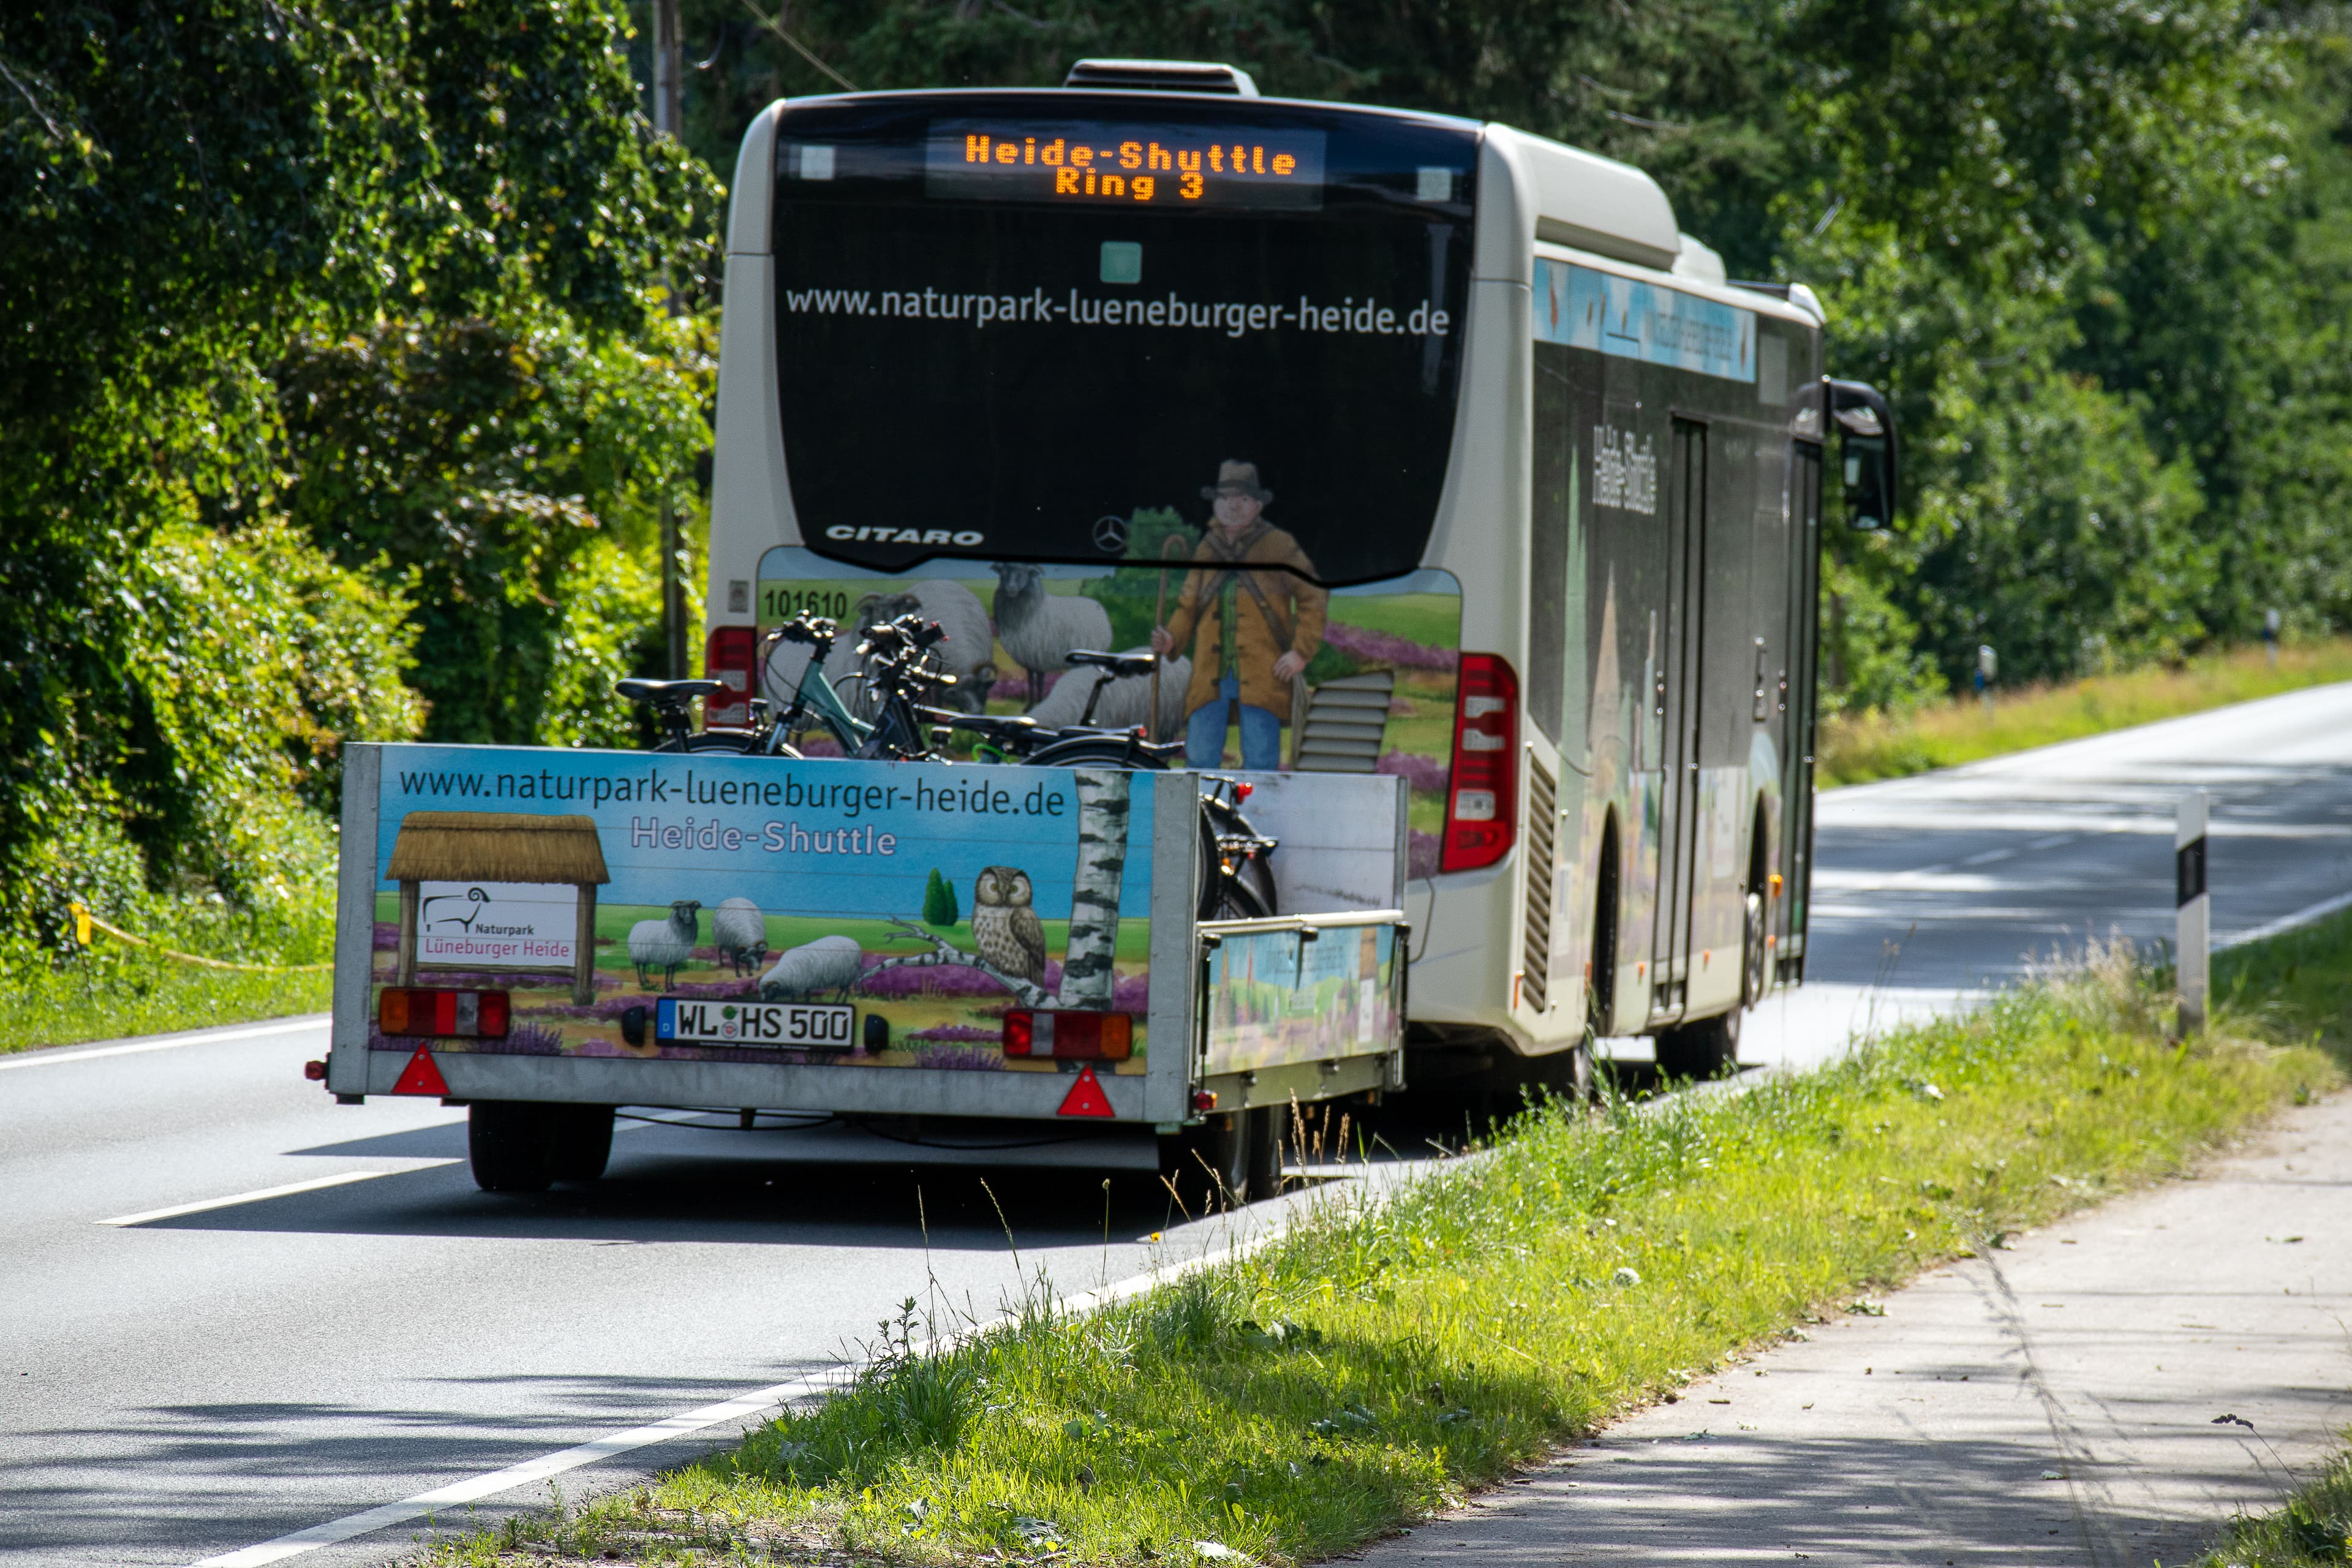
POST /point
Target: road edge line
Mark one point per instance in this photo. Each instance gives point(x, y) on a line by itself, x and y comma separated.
point(475, 1488)
point(50, 1056)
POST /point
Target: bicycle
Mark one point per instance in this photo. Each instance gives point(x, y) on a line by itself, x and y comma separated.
point(1235, 880)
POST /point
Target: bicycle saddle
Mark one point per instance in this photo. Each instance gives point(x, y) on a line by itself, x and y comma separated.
point(662, 692)
point(1116, 663)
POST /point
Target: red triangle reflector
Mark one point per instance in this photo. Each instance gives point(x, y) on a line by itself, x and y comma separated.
point(1086, 1096)
point(421, 1076)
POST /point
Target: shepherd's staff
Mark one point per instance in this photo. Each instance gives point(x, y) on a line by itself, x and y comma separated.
point(1159, 618)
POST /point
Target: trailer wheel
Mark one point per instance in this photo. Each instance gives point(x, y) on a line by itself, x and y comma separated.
point(1266, 1126)
point(581, 1140)
point(510, 1145)
point(1707, 1048)
point(1209, 1163)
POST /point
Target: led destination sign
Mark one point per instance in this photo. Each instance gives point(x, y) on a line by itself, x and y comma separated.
point(1227, 166)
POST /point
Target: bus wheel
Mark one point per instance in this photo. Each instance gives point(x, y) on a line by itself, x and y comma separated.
point(1208, 1164)
point(1753, 953)
point(1707, 1048)
point(510, 1146)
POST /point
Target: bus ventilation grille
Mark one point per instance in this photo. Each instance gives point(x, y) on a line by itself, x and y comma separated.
point(1543, 827)
point(1344, 723)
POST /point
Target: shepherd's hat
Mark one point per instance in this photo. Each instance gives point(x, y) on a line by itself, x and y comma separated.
point(1236, 480)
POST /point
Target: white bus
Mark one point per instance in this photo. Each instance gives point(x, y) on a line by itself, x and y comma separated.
point(1538, 489)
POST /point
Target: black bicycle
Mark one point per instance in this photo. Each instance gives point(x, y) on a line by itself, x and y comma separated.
point(1236, 877)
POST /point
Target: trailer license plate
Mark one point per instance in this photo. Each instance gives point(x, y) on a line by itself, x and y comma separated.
point(780, 1026)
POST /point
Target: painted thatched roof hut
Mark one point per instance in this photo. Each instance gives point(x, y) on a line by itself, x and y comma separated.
point(497, 847)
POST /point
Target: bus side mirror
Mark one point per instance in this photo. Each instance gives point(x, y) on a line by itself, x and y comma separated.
point(1865, 427)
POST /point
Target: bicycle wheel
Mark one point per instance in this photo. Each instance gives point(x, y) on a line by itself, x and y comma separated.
point(1246, 892)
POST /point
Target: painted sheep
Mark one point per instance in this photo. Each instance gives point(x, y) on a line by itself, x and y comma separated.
point(828, 963)
point(1039, 629)
point(664, 945)
point(1126, 702)
point(739, 932)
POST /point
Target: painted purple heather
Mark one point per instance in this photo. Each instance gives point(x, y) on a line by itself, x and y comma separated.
point(1374, 647)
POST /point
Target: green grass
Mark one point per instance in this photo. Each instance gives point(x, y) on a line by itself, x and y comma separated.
point(2310, 1530)
point(58, 998)
point(1382, 1358)
point(1859, 747)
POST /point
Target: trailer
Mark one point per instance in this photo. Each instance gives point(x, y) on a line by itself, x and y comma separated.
point(544, 936)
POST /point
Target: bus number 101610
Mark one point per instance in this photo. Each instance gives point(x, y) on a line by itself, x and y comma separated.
point(781, 602)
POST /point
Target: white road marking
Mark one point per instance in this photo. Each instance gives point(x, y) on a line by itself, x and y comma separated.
point(314, 1185)
point(2302, 917)
point(2051, 842)
point(1989, 857)
point(207, 1038)
point(474, 1488)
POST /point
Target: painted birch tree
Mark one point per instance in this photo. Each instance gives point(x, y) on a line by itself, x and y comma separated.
point(1088, 976)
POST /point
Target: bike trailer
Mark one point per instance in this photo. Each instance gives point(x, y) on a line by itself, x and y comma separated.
point(532, 927)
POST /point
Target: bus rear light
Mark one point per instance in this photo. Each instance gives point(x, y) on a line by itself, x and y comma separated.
point(730, 657)
point(1481, 803)
point(1473, 805)
point(1070, 1036)
point(415, 1013)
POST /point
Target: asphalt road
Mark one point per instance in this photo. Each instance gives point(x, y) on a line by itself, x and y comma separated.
point(200, 1383)
point(1933, 888)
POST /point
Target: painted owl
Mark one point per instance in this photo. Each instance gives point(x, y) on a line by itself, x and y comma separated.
point(1005, 929)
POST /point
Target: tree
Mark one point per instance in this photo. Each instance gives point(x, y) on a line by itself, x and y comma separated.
point(940, 901)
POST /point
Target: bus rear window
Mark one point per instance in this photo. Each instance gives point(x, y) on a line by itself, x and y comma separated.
point(1021, 327)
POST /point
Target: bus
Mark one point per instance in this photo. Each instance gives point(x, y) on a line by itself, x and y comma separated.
point(1423, 446)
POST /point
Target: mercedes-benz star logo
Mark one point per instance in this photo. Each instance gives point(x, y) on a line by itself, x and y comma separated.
point(1110, 534)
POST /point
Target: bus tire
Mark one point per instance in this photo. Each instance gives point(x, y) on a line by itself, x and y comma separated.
point(510, 1145)
point(1702, 1049)
point(1208, 1164)
point(1267, 1123)
point(581, 1141)
point(1754, 954)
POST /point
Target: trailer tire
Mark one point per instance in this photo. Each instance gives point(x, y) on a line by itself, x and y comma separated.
point(1266, 1124)
point(1208, 1164)
point(581, 1140)
point(510, 1145)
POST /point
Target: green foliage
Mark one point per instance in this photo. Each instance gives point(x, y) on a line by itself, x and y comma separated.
point(335, 371)
point(940, 901)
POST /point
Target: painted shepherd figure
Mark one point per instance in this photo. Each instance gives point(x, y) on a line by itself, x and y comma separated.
point(1253, 616)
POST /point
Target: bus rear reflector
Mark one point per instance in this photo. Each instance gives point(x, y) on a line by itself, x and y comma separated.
point(412, 1012)
point(1480, 800)
point(729, 656)
point(1070, 1036)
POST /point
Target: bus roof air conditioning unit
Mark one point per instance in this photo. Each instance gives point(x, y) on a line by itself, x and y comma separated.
point(1162, 75)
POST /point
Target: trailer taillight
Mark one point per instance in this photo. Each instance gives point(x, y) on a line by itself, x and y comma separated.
point(1480, 800)
point(1070, 1036)
point(730, 657)
point(416, 1013)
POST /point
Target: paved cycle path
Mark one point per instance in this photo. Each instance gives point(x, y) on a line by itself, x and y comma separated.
point(2055, 1403)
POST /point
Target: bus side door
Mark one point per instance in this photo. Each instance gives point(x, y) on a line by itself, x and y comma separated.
point(1675, 701)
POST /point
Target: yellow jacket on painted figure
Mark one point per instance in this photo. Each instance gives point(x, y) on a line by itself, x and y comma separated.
point(1285, 603)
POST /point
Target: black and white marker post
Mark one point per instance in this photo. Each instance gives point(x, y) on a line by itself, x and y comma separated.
point(2192, 964)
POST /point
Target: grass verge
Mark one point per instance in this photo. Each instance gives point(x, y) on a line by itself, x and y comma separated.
point(1382, 1358)
point(1858, 748)
point(53, 997)
point(107, 1000)
point(2314, 1527)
